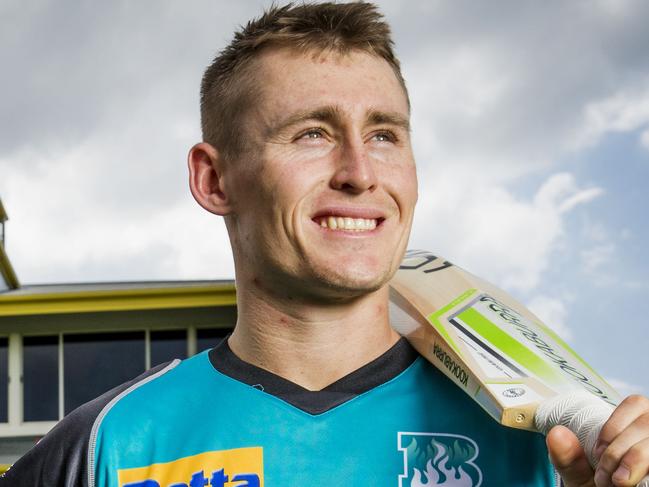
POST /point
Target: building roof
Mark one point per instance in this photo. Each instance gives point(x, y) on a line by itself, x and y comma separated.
point(115, 296)
point(116, 286)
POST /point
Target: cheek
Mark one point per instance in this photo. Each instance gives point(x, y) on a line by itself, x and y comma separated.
point(414, 185)
point(402, 182)
point(257, 185)
point(273, 198)
point(295, 179)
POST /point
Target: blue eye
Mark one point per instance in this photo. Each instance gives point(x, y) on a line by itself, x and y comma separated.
point(384, 137)
point(312, 134)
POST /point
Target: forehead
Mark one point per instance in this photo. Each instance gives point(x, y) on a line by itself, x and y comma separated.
point(355, 82)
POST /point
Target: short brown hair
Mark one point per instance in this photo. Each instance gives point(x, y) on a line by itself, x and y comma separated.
point(328, 26)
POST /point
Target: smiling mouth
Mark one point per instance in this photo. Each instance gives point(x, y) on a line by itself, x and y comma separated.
point(348, 223)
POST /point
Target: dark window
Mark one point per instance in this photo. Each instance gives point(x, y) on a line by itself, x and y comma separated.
point(4, 379)
point(95, 363)
point(168, 345)
point(41, 378)
point(210, 337)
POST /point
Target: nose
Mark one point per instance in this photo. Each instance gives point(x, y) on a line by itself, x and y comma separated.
point(354, 169)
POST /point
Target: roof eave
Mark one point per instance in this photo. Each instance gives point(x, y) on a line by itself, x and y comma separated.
point(214, 295)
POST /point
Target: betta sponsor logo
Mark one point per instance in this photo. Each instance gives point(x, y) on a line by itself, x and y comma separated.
point(218, 479)
point(438, 459)
point(240, 467)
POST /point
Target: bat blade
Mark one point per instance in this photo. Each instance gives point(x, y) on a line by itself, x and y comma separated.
point(489, 344)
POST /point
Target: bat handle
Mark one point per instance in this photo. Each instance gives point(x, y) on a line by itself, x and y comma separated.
point(583, 414)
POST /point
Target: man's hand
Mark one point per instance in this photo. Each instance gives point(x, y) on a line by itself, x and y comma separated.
point(622, 449)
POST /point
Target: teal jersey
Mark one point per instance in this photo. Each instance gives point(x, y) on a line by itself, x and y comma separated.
point(213, 420)
point(190, 425)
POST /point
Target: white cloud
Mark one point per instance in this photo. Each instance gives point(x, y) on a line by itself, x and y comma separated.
point(617, 8)
point(82, 214)
point(469, 85)
point(552, 311)
point(624, 111)
point(594, 258)
point(483, 226)
point(181, 242)
point(644, 139)
point(597, 232)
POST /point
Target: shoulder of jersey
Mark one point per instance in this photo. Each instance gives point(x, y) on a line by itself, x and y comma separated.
point(61, 456)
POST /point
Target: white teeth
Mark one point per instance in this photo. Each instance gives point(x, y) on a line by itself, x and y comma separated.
point(348, 223)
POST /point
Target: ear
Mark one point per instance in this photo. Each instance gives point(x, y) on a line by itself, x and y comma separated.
point(206, 178)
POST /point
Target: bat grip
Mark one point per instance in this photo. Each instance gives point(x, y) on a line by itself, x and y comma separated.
point(583, 414)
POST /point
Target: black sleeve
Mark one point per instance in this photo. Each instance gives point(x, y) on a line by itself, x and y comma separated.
point(60, 458)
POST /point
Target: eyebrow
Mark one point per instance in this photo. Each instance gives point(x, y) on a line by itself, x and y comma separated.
point(333, 115)
point(328, 114)
point(376, 117)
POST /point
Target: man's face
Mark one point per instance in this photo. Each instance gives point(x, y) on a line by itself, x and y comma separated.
point(323, 200)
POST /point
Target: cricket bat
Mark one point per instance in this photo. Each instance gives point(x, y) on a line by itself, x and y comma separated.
point(497, 351)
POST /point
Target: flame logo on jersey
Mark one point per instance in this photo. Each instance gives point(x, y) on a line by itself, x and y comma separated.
point(240, 467)
point(437, 459)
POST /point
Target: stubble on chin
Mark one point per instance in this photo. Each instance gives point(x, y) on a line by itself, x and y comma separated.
point(349, 284)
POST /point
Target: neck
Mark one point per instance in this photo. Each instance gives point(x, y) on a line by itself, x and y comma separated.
point(311, 345)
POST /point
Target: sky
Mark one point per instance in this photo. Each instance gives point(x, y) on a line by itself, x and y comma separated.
point(530, 130)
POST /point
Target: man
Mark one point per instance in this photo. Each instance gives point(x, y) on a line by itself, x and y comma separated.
point(307, 156)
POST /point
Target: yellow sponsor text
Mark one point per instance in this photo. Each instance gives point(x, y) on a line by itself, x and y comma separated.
point(240, 467)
